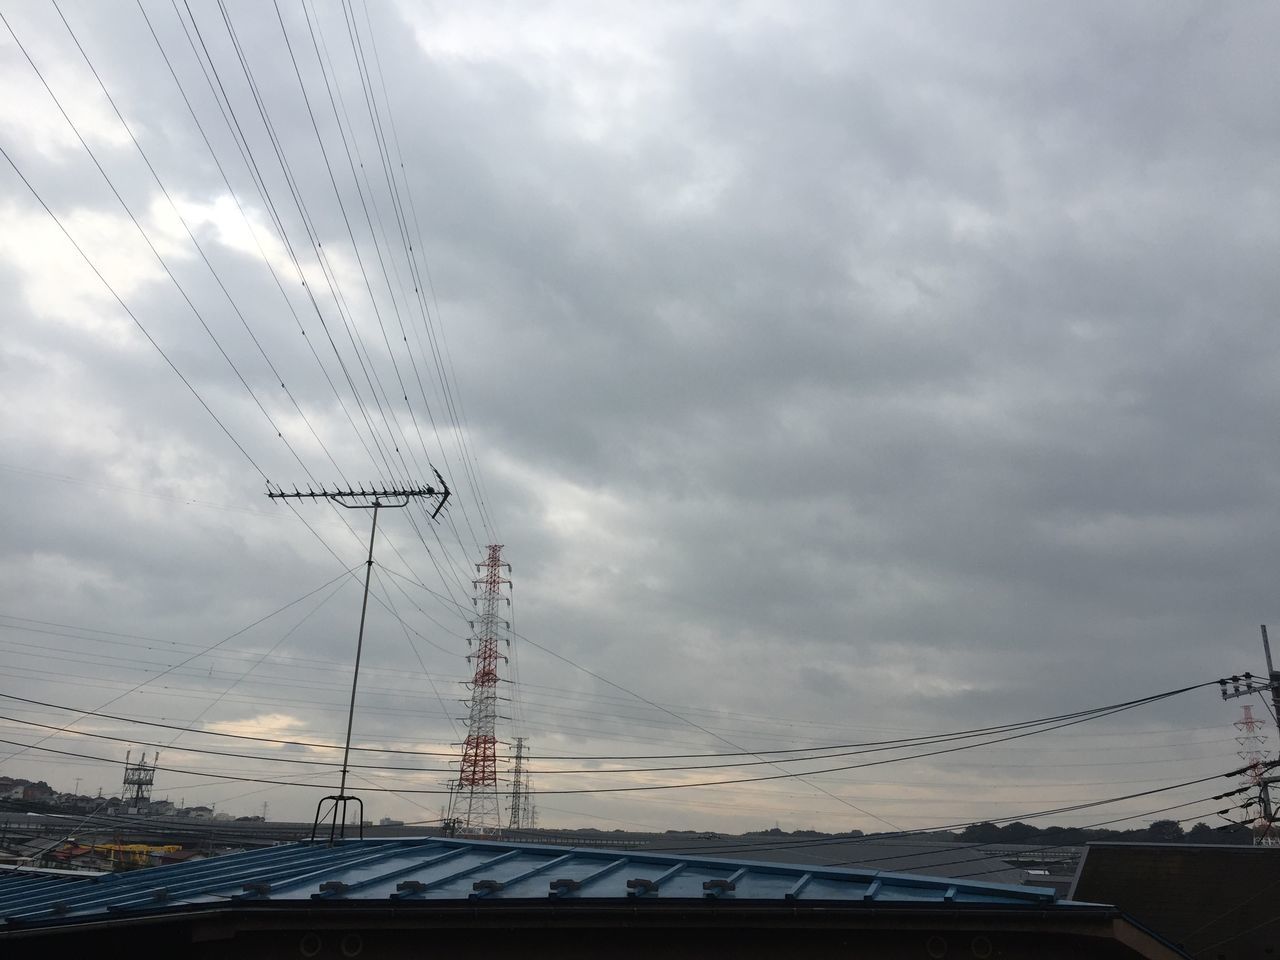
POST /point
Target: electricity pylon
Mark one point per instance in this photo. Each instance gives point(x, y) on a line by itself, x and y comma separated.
point(522, 815)
point(476, 797)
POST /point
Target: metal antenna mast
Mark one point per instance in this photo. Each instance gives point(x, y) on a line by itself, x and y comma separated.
point(361, 499)
point(477, 794)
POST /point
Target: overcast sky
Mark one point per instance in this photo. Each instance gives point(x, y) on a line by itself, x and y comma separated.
point(829, 372)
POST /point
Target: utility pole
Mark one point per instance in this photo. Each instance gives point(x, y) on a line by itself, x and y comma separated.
point(361, 499)
point(1246, 685)
point(1272, 676)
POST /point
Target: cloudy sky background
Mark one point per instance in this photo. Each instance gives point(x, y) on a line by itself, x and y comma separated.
point(830, 373)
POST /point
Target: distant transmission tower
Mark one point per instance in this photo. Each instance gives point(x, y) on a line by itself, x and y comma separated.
point(1251, 752)
point(138, 780)
point(476, 796)
point(523, 816)
point(1250, 741)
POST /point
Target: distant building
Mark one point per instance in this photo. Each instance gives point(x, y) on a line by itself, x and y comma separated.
point(26, 791)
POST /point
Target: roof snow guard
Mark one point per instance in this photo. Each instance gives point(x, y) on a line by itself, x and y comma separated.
point(403, 871)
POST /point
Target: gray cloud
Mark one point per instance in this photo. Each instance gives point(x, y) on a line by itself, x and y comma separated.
point(829, 373)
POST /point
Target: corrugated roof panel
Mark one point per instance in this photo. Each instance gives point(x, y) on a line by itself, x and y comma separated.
point(18, 883)
point(410, 871)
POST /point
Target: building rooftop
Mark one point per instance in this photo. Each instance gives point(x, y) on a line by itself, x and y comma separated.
point(1212, 900)
point(990, 862)
point(392, 895)
point(436, 869)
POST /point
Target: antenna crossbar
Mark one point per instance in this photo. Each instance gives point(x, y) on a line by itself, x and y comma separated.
point(358, 498)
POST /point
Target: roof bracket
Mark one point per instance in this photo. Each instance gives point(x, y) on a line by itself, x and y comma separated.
point(716, 887)
point(799, 885)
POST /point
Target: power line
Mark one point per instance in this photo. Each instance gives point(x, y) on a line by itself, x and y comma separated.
point(255, 174)
point(1071, 808)
point(150, 643)
point(195, 656)
point(1104, 823)
point(253, 666)
point(813, 753)
point(381, 262)
point(147, 239)
point(344, 311)
point(195, 242)
point(398, 210)
point(205, 751)
point(735, 847)
point(258, 700)
point(132, 316)
point(438, 341)
point(168, 271)
point(744, 780)
point(233, 736)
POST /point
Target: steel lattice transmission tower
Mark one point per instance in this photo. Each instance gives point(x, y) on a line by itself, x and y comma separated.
point(138, 780)
point(523, 814)
point(1250, 741)
point(1251, 752)
point(476, 797)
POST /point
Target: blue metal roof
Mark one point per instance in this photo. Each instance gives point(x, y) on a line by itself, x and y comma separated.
point(438, 870)
point(16, 880)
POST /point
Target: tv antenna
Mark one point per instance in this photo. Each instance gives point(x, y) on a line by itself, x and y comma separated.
point(377, 498)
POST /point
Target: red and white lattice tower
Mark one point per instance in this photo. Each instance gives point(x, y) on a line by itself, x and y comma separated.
point(1250, 740)
point(476, 799)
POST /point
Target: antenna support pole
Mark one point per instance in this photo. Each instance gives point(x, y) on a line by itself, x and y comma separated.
point(361, 499)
